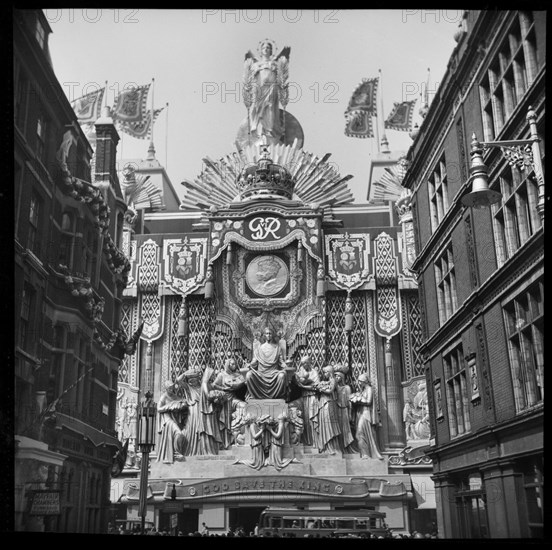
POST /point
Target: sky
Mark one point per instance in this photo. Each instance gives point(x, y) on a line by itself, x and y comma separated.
point(196, 60)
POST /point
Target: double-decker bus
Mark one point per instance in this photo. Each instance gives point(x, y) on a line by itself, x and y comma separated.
point(324, 523)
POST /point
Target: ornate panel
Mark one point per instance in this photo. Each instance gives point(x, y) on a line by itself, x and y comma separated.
point(221, 344)
point(336, 336)
point(148, 269)
point(411, 335)
point(388, 318)
point(128, 369)
point(199, 331)
point(359, 355)
point(178, 353)
point(151, 312)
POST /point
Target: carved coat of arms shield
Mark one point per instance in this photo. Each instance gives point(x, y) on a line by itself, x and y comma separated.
point(184, 263)
point(347, 255)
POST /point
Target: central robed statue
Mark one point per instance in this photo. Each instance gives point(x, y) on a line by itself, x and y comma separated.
point(265, 376)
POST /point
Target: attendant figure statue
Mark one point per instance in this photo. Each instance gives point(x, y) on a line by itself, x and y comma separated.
point(225, 385)
point(209, 433)
point(264, 88)
point(296, 424)
point(265, 376)
point(259, 441)
point(365, 420)
point(307, 379)
point(171, 409)
point(326, 421)
point(194, 427)
point(344, 408)
point(409, 419)
point(276, 442)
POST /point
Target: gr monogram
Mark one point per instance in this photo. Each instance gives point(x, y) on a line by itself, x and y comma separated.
point(261, 228)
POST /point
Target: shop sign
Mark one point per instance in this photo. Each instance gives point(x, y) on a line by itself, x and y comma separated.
point(44, 503)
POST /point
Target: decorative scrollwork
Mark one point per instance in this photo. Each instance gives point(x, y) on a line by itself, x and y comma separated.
point(520, 156)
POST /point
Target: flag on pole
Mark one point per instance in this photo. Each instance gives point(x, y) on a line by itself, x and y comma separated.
point(88, 108)
point(119, 460)
point(361, 109)
point(400, 117)
point(130, 105)
point(141, 129)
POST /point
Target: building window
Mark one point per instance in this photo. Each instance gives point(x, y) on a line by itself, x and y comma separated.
point(66, 244)
point(438, 399)
point(445, 280)
point(90, 254)
point(20, 101)
point(33, 243)
point(438, 193)
point(515, 217)
point(41, 137)
point(26, 315)
point(471, 504)
point(524, 320)
point(533, 484)
point(509, 75)
point(40, 34)
point(474, 379)
point(457, 392)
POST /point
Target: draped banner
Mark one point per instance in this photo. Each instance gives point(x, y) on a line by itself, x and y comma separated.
point(400, 117)
point(130, 105)
point(361, 109)
point(88, 107)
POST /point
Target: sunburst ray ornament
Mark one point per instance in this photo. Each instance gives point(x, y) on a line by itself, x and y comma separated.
point(313, 179)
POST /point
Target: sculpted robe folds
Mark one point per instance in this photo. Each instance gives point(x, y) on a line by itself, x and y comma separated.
point(268, 380)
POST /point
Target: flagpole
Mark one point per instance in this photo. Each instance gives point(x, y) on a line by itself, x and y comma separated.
point(152, 117)
point(425, 101)
point(166, 133)
point(377, 117)
point(105, 98)
point(384, 142)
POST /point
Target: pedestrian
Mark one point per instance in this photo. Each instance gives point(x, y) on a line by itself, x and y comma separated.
point(204, 530)
point(256, 530)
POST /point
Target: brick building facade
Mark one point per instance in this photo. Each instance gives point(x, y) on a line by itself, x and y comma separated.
point(480, 276)
point(69, 276)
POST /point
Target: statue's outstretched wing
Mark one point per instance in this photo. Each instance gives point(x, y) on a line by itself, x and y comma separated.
point(248, 89)
point(286, 50)
point(282, 60)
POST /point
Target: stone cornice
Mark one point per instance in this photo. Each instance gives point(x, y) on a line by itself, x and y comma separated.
point(473, 440)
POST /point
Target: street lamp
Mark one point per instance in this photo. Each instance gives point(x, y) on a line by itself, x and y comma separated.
point(520, 152)
point(145, 439)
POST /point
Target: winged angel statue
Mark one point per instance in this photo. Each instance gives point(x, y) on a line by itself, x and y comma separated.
point(265, 87)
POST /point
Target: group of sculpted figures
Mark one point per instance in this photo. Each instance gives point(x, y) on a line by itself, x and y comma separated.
point(200, 413)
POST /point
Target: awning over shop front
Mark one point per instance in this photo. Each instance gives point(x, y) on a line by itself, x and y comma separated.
point(97, 437)
point(424, 491)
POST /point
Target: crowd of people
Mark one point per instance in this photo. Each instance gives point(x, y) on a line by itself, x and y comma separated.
point(239, 531)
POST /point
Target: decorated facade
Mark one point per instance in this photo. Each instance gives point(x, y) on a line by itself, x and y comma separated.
point(280, 326)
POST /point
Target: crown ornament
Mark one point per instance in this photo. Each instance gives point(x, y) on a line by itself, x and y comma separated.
point(265, 180)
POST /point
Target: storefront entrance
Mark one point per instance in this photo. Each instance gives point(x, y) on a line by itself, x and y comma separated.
point(246, 517)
